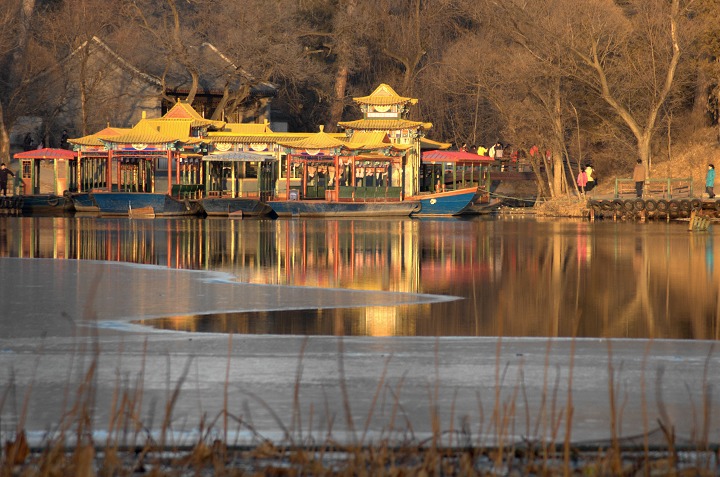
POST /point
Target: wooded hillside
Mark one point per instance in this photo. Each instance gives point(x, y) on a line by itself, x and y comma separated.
point(597, 81)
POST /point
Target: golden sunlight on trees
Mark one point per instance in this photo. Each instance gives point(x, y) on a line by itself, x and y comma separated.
point(598, 80)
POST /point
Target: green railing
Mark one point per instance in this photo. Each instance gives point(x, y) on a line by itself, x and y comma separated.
point(665, 188)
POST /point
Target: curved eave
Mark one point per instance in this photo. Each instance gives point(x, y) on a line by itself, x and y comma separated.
point(370, 101)
point(384, 124)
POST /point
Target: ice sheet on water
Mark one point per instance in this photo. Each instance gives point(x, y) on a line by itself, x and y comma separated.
point(52, 297)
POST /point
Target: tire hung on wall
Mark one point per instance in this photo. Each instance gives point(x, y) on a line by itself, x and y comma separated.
point(629, 205)
point(696, 204)
point(651, 205)
point(607, 205)
point(663, 206)
point(639, 204)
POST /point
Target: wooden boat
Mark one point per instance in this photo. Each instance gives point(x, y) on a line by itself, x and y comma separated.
point(323, 208)
point(36, 198)
point(120, 203)
point(485, 205)
point(84, 202)
point(46, 204)
point(142, 213)
point(235, 206)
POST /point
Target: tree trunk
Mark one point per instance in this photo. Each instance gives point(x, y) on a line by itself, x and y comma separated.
point(218, 113)
point(558, 173)
point(338, 105)
point(643, 147)
point(344, 38)
point(4, 138)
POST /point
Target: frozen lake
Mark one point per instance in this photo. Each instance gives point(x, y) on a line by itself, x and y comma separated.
point(91, 310)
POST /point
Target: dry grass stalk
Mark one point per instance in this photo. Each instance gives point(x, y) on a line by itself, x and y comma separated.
point(436, 456)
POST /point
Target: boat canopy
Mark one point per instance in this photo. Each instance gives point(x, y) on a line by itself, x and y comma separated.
point(47, 153)
point(237, 156)
point(453, 156)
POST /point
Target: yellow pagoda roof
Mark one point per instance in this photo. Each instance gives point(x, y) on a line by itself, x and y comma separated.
point(319, 140)
point(370, 140)
point(142, 133)
point(384, 124)
point(384, 95)
point(426, 143)
point(174, 128)
point(183, 110)
point(247, 128)
point(94, 139)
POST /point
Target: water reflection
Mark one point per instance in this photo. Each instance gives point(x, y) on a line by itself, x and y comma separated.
point(517, 277)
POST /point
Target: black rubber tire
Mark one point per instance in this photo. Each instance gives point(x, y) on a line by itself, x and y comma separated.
point(629, 205)
point(674, 206)
point(696, 204)
point(663, 205)
point(608, 205)
point(685, 205)
point(717, 205)
point(596, 206)
point(651, 205)
point(639, 205)
point(618, 205)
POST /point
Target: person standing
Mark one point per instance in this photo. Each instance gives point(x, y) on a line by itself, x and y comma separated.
point(482, 150)
point(4, 173)
point(639, 177)
point(589, 171)
point(28, 142)
point(499, 150)
point(710, 181)
point(582, 180)
point(64, 140)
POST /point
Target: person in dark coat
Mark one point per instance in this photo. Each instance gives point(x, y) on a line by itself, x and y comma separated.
point(28, 142)
point(4, 173)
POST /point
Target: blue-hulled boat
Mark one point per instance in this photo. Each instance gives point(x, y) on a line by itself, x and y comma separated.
point(455, 202)
point(323, 208)
point(450, 182)
point(120, 203)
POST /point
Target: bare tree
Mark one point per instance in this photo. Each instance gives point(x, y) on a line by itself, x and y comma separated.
point(630, 57)
point(15, 42)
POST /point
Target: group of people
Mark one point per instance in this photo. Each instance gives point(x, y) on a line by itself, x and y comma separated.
point(496, 151)
point(29, 142)
point(586, 182)
point(639, 176)
point(586, 179)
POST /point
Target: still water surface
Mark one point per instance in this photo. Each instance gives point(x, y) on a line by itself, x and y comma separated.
point(514, 277)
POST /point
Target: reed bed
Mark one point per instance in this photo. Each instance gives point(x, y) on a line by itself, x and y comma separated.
point(135, 446)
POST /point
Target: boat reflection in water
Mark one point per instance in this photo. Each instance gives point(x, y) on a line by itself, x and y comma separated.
point(514, 277)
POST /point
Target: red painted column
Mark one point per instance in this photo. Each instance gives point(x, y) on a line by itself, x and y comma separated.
point(169, 161)
point(109, 172)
